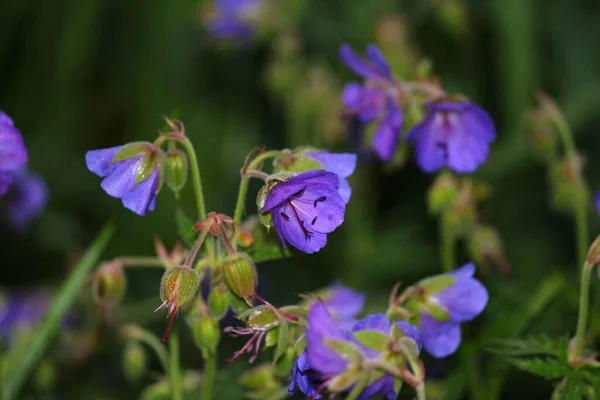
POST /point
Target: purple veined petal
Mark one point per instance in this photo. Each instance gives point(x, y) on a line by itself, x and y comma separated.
point(365, 69)
point(352, 96)
point(321, 209)
point(13, 153)
point(344, 190)
point(341, 164)
point(307, 379)
point(143, 195)
point(429, 144)
point(464, 300)
point(375, 322)
point(5, 181)
point(440, 339)
point(318, 177)
point(282, 192)
point(410, 331)
point(292, 233)
point(26, 199)
point(321, 322)
point(321, 357)
point(466, 150)
point(477, 121)
point(466, 271)
point(383, 386)
point(379, 60)
point(343, 302)
point(387, 134)
point(122, 179)
point(369, 103)
point(100, 161)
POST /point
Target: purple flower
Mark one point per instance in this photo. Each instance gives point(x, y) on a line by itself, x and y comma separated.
point(232, 19)
point(453, 134)
point(131, 173)
point(375, 100)
point(22, 311)
point(463, 300)
point(25, 200)
point(13, 153)
point(343, 303)
point(341, 164)
point(308, 380)
point(305, 209)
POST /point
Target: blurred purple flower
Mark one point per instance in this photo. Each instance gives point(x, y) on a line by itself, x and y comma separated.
point(375, 100)
point(133, 177)
point(453, 134)
point(13, 153)
point(597, 201)
point(341, 164)
point(306, 378)
point(25, 200)
point(305, 209)
point(22, 311)
point(463, 300)
point(232, 19)
point(343, 303)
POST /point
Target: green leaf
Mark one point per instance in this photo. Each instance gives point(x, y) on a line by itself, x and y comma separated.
point(373, 340)
point(282, 341)
point(184, 227)
point(268, 250)
point(548, 368)
point(62, 302)
point(573, 389)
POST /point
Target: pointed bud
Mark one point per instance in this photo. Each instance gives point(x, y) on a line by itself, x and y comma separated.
point(239, 274)
point(135, 361)
point(443, 193)
point(177, 170)
point(244, 238)
point(218, 301)
point(177, 288)
point(593, 256)
point(109, 284)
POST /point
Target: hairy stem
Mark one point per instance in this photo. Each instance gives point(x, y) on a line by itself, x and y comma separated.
point(584, 300)
point(210, 370)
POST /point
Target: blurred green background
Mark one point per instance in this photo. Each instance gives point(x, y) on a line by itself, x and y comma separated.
point(82, 75)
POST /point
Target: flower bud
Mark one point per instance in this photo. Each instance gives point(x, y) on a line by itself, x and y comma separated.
point(109, 284)
point(259, 377)
point(239, 274)
point(593, 256)
point(177, 170)
point(485, 247)
point(135, 361)
point(206, 332)
point(178, 287)
point(568, 187)
point(443, 193)
point(218, 301)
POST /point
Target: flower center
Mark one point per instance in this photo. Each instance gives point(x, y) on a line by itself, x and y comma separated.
point(297, 197)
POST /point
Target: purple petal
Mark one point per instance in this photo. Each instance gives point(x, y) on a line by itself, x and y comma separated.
point(379, 60)
point(440, 339)
point(466, 271)
point(5, 181)
point(282, 192)
point(366, 69)
point(387, 134)
point(344, 303)
point(320, 208)
point(122, 178)
point(230, 28)
point(322, 327)
point(13, 153)
point(26, 199)
point(100, 161)
point(341, 164)
point(427, 135)
point(344, 190)
point(321, 322)
point(376, 322)
point(369, 103)
point(307, 379)
point(464, 300)
point(383, 386)
point(410, 331)
point(467, 148)
point(291, 231)
point(143, 196)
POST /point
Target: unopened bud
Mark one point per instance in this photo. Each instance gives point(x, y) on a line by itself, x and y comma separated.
point(178, 286)
point(239, 274)
point(259, 377)
point(443, 193)
point(206, 332)
point(109, 284)
point(262, 318)
point(593, 256)
point(568, 187)
point(177, 170)
point(485, 247)
point(135, 361)
point(544, 142)
point(218, 301)
point(244, 238)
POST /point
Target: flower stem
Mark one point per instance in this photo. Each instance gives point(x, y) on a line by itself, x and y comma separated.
point(243, 190)
point(584, 299)
point(175, 372)
point(134, 261)
point(137, 333)
point(194, 251)
point(210, 369)
point(447, 237)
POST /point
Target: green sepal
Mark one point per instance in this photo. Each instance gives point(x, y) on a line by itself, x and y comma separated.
point(238, 305)
point(285, 363)
point(344, 348)
point(282, 340)
point(132, 150)
point(206, 333)
point(374, 340)
point(299, 163)
point(262, 318)
point(436, 284)
point(272, 337)
point(344, 380)
point(300, 345)
point(411, 346)
point(218, 301)
point(436, 311)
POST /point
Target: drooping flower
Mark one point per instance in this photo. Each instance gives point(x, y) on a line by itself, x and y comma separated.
point(463, 300)
point(13, 153)
point(131, 173)
point(25, 200)
point(341, 164)
point(232, 19)
point(375, 100)
point(453, 134)
point(305, 209)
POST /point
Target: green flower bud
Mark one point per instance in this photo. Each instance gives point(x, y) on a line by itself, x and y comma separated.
point(262, 318)
point(593, 256)
point(238, 305)
point(218, 301)
point(443, 193)
point(485, 248)
point(568, 187)
point(239, 274)
point(135, 361)
point(109, 284)
point(177, 170)
point(206, 333)
point(259, 377)
point(178, 287)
